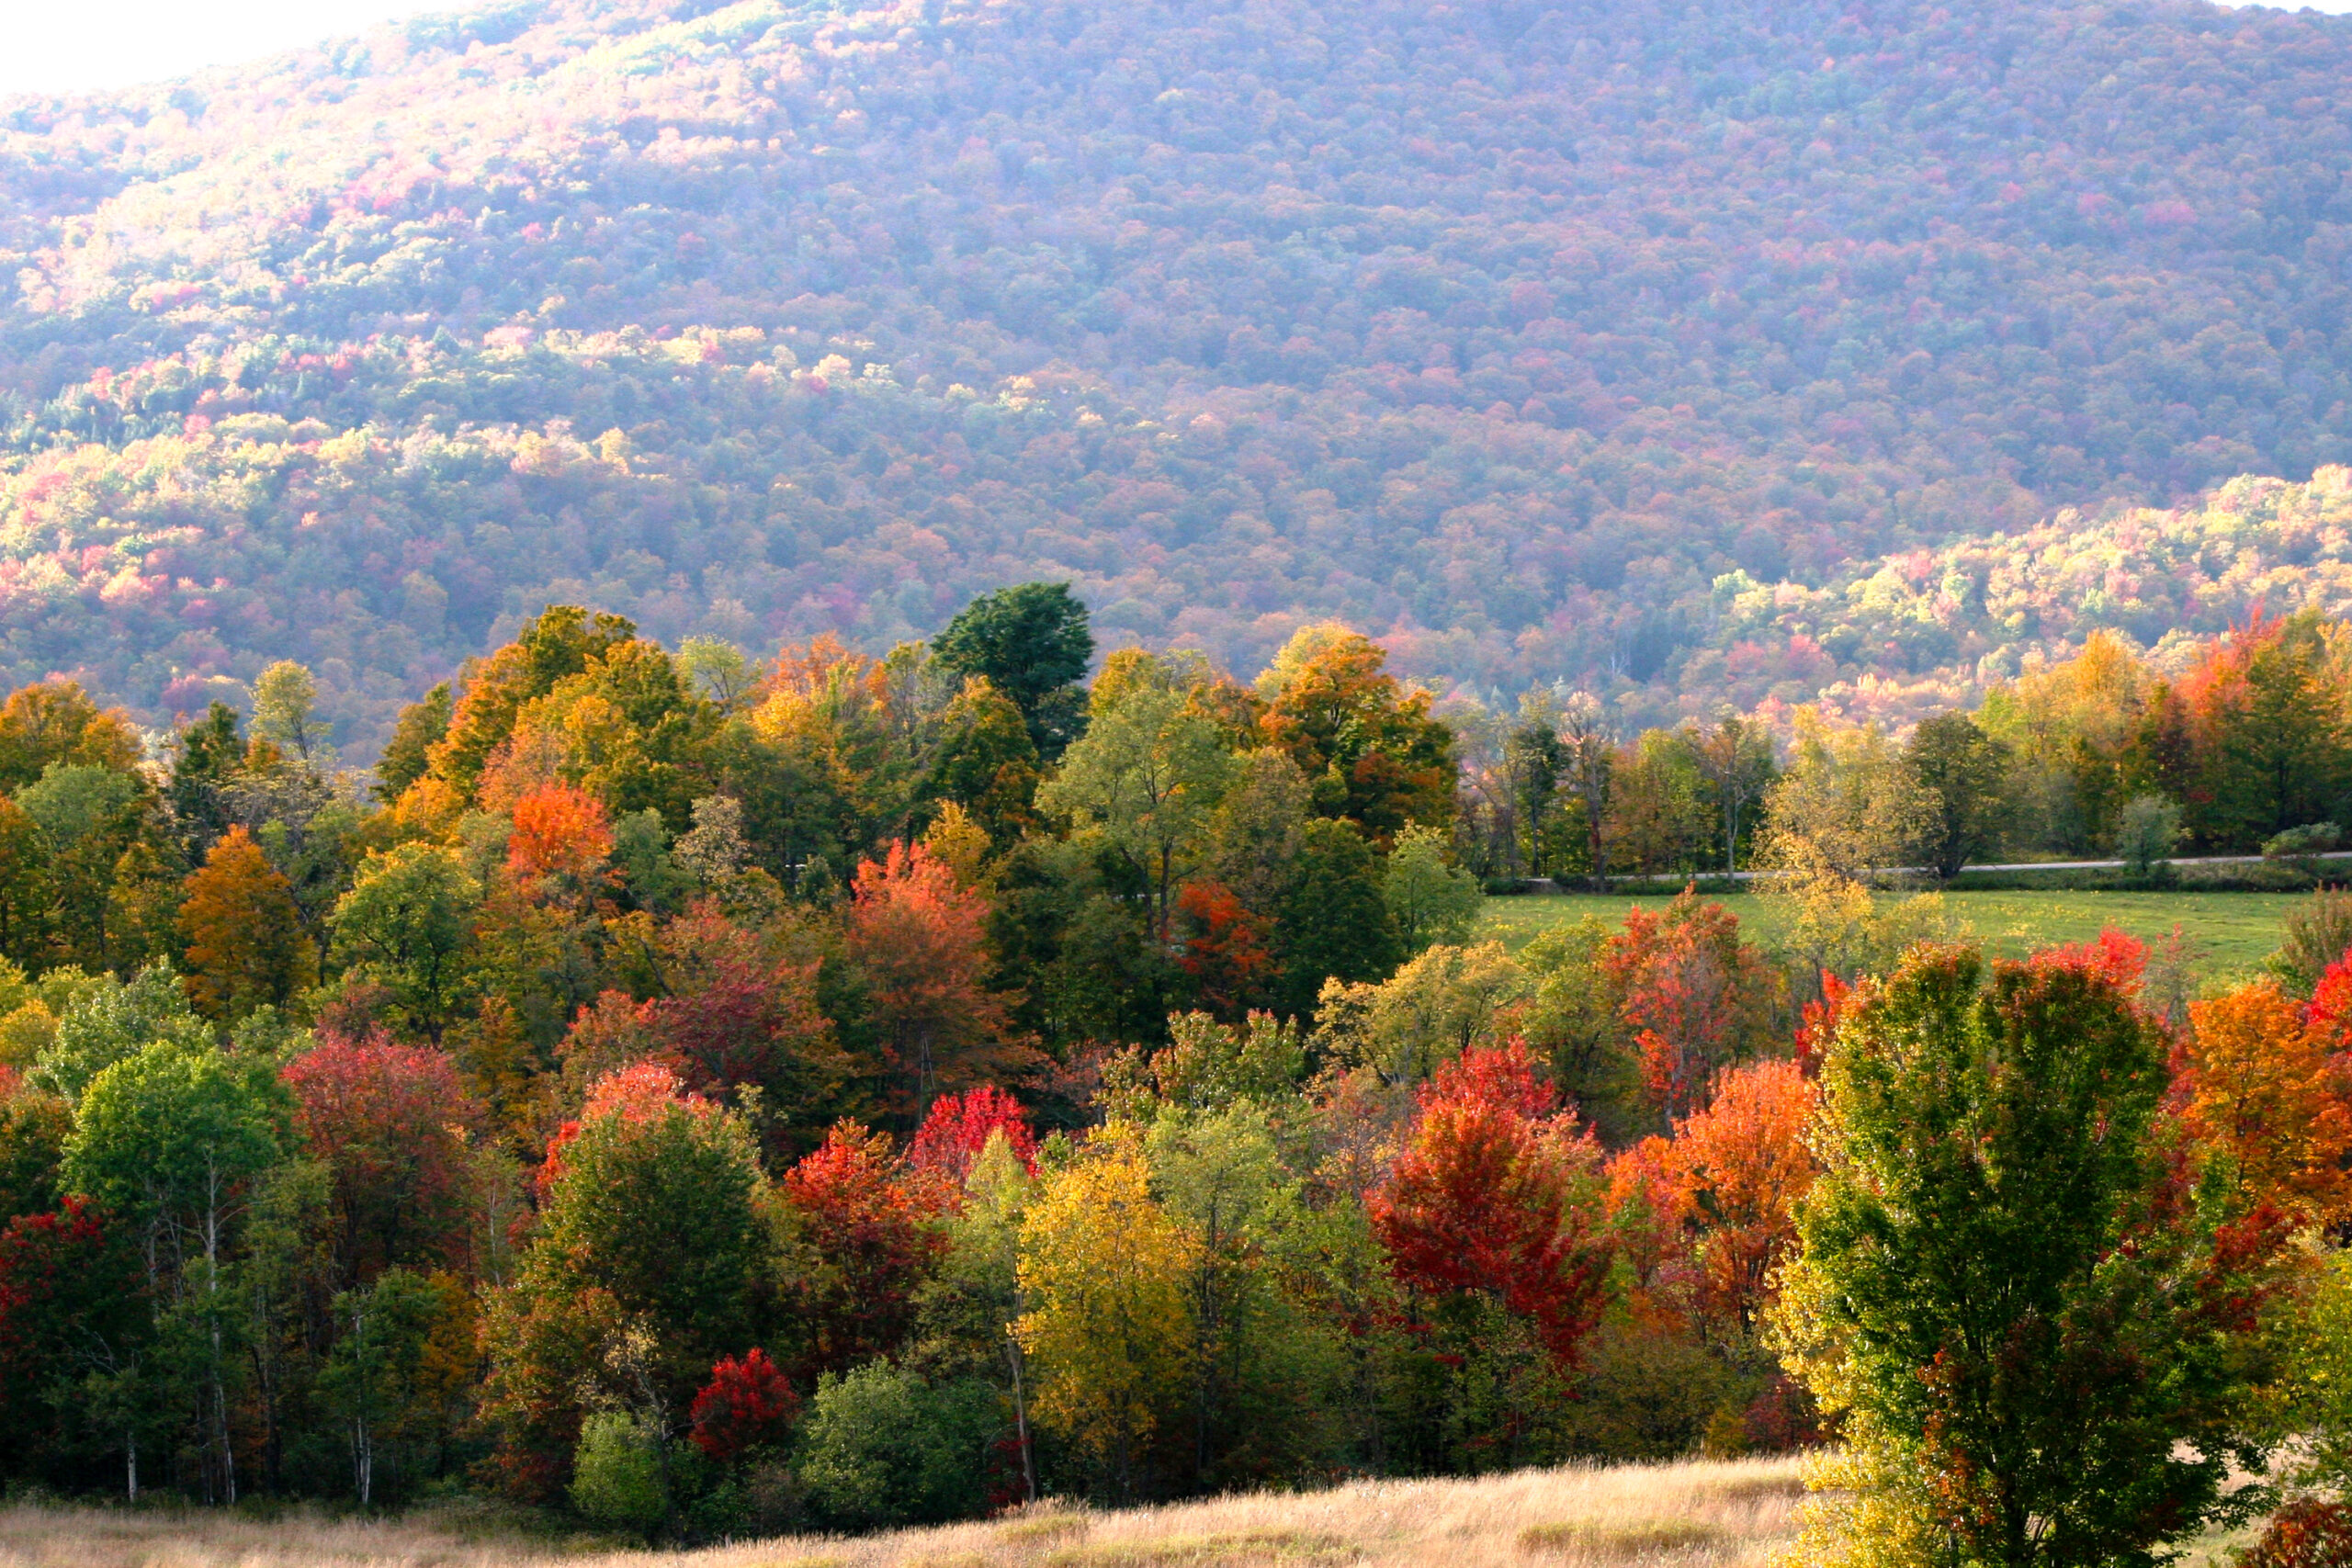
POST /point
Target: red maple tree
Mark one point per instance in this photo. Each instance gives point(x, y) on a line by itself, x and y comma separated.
point(1228, 952)
point(870, 1235)
point(746, 1405)
point(389, 1123)
point(1693, 995)
point(1490, 1195)
point(960, 1127)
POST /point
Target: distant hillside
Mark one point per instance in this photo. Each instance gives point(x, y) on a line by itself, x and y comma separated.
point(1901, 637)
point(1505, 330)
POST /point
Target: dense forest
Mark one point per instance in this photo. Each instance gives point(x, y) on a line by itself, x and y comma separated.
point(1532, 340)
point(704, 1094)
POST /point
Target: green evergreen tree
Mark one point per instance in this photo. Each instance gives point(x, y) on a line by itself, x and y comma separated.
point(1032, 643)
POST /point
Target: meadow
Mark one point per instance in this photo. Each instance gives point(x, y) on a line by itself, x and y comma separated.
point(2229, 933)
point(1700, 1513)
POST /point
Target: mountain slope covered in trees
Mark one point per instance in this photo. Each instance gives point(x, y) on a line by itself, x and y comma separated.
point(1504, 330)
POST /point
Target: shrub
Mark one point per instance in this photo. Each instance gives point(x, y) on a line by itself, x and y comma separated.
point(2313, 839)
point(2317, 931)
point(882, 1448)
point(617, 1472)
point(1644, 1393)
point(2306, 1533)
point(2146, 837)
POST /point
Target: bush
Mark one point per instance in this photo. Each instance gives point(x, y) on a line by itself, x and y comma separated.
point(882, 1448)
point(2146, 837)
point(2306, 1533)
point(2295, 843)
point(617, 1473)
point(2317, 931)
point(2255, 876)
point(1650, 1395)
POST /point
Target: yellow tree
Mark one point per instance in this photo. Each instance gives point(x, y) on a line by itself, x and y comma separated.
point(245, 946)
point(1103, 1267)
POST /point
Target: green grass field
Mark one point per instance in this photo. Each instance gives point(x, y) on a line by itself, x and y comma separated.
point(2235, 931)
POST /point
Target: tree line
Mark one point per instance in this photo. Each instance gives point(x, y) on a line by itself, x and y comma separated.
point(709, 1095)
point(2237, 745)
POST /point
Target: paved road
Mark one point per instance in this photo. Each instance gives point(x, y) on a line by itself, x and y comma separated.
point(2027, 865)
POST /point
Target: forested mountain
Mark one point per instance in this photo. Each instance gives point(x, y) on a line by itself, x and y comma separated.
point(1503, 330)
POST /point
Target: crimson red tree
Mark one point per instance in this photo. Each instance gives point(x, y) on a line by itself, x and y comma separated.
point(869, 1235)
point(960, 1127)
point(1495, 1195)
point(389, 1121)
point(746, 1405)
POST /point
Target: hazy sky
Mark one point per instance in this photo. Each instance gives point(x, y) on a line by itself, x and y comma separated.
point(63, 45)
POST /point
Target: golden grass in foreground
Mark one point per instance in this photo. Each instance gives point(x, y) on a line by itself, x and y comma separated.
point(1697, 1515)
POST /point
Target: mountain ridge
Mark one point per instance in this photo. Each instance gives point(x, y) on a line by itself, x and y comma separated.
point(1504, 331)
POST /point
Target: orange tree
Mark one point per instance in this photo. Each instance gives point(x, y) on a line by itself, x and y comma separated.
point(246, 946)
point(1718, 1202)
point(2263, 1088)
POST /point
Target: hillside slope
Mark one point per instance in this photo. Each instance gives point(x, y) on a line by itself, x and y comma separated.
point(1502, 329)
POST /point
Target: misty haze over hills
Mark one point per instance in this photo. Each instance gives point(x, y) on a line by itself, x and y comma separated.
point(1507, 333)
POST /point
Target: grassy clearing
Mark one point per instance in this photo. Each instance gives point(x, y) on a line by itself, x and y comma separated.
point(2236, 930)
point(1700, 1514)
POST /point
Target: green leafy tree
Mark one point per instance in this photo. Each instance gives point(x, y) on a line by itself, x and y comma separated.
point(1437, 1005)
point(985, 761)
point(1734, 756)
point(1430, 901)
point(1335, 923)
point(717, 671)
point(1259, 1363)
point(647, 1264)
point(2147, 833)
point(1534, 761)
point(33, 1130)
point(408, 924)
point(620, 1474)
point(2280, 749)
point(387, 1378)
point(409, 753)
point(2035, 1341)
point(1148, 774)
point(969, 1308)
point(1032, 643)
point(27, 894)
point(108, 1020)
point(286, 713)
point(176, 1139)
point(883, 1447)
point(87, 815)
point(208, 752)
point(1966, 773)
point(143, 905)
point(1259, 829)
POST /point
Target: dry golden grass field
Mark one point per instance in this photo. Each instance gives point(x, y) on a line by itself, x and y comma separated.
point(1695, 1515)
